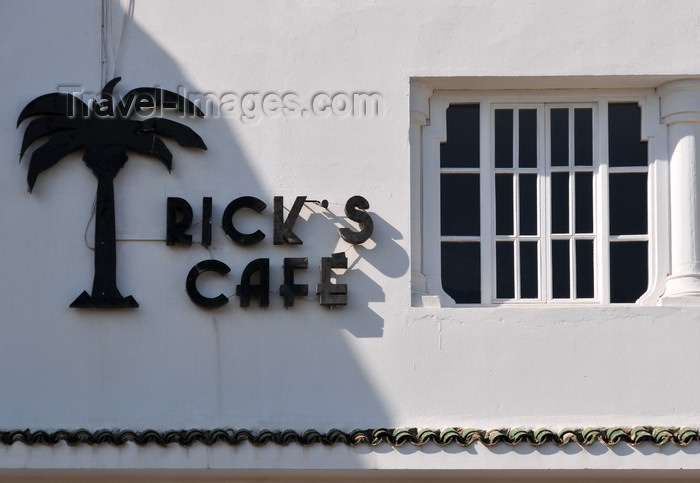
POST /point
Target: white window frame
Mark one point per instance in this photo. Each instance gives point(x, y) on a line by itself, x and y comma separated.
point(426, 267)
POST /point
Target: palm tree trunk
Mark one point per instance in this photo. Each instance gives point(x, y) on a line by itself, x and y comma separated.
point(105, 293)
point(104, 285)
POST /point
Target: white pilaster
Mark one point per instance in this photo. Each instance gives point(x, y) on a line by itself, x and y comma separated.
point(680, 111)
point(420, 115)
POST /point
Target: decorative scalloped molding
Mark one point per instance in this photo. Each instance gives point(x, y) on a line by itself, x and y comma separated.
point(372, 437)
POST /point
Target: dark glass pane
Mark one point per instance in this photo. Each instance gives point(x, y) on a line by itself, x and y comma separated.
point(461, 271)
point(628, 203)
point(528, 204)
point(528, 270)
point(560, 137)
point(560, 202)
point(527, 131)
point(624, 133)
point(584, 269)
point(505, 274)
point(459, 204)
point(462, 147)
point(583, 137)
point(628, 271)
point(504, 204)
point(584, 202)
point(560, 269)
point(504, 138)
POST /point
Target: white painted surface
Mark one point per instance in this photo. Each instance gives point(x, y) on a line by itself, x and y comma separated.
point(680, 113)
point(295, 458)
point(378, 361)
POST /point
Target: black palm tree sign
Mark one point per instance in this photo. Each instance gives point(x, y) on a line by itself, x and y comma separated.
point(105, 133)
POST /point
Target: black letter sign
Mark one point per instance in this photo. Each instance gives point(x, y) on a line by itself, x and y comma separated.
point(289, 289)
point(227, 221)
point(206, 221)
point(332, 294)
point(191, 285)
point(261, 289)
point(361, 217)
point(179, 219)
point(283, 228)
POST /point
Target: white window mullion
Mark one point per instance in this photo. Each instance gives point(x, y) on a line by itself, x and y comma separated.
point(572, 205)
point(542, 204)
point(572, 147)
point(628, 169)
point(600, 175)
point(571, 233)
point(546, 204)
point(572, 237)
point(572, 268)
point(487, 199)
point(628, 238)
point(516, 232)
point(516, 203)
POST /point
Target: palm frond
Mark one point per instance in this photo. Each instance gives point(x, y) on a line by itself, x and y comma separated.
point(54, 103)
point(44, 126)
point(160, 98)
point(50, 153)
point(109, 87)
point(104, 106)
point(184, 135)
point(152, 146)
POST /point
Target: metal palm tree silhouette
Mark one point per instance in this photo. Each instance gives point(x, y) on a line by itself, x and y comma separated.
point(105, 133)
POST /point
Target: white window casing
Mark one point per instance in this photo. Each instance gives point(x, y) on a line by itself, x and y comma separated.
point(429, 130)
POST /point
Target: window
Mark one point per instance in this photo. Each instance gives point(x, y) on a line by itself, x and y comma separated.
point(542, 199)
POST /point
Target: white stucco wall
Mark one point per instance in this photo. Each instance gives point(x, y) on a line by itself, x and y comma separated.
point(377, 362)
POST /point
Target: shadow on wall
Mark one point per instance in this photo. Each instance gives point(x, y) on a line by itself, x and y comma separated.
point(246, 368)
point(380, 255)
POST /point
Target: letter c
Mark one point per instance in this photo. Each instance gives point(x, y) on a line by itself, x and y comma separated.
point(191, 285)
point(227, 220)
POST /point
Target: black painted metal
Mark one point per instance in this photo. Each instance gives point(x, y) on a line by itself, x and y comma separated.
point(206, 220)
point(105, 134)
point(322, 203)
point(361, 217)
point(251, 202)
point(332, 294)
point(289, 289)
point(261, 266)
point(195, 295)
point(283, 228)
point(104, 284)
point(178, 220)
